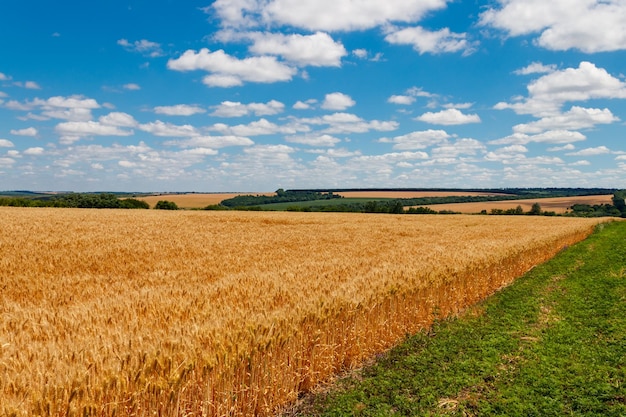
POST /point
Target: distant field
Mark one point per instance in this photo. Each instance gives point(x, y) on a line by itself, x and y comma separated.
point(558, 205)
point(410, 194)
point(194, 200)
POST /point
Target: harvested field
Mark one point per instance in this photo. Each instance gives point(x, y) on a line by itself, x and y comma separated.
point(195, 200)
point(558, 205)
point(115, 312)
point(410, 194)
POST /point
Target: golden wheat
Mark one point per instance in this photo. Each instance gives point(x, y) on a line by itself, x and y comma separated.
point(224, 313)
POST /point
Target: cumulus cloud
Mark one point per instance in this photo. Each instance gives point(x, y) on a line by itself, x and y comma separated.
point(73, 131)
point(179, 110)
point(464, 146)
point(118, 119)
point(237, 109)
point(348, 123)
point(337, 101)
point(333, 15)
point(29, 131)
point(229, 71)
point(160, 128)
point(34, 151)
point(132, 87)
point(535, 68)
point(547, 94)
point(4, 77)
point(409, 96)
point(213, 142)
point(418, 140)
point(143, 46)
point(448, 117)
point(32, 85)
point(402, 100)
point(574, 119)
point(425, 41)
point(257, 128)
point(304, 105)
point(5, 143)
point(600, 150)
point(318, 49)
point(551, 136)
point(314, 140)
point(563, 24)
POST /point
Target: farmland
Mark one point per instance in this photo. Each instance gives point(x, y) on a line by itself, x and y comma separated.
point(558, 204)
point(192, 200)
point(108, 312)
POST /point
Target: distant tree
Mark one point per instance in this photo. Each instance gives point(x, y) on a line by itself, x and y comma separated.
point(619, 202)
point(133, 203)
point(165, 205)
point(535, 210)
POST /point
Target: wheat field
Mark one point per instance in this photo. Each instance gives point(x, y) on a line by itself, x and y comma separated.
point(146, 313)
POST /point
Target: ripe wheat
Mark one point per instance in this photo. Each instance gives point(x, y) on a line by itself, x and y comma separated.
point(224, 313)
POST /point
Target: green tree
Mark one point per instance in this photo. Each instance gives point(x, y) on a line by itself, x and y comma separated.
point(165, 205)
point(535, 210)
point(618, 201)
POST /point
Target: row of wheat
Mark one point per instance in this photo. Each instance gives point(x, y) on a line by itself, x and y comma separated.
point(218, 313)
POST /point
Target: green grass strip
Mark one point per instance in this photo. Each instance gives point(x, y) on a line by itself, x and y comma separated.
point(551, 344)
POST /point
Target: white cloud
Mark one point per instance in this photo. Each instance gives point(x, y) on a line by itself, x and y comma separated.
point(337, 101)
point(460, 147)
point(318, 49)
point(73, 131)
point(132, 87)
point(314, 140)
point(5, 143)
point(32, 85)
point(179, 110)
point(448, 117)
point(563, 24)
point(425, 41)
point(212, 142)
point(409, 96)
point(402, 100)
point(144, 47)
point(418, 140)
point(348, 123)
point(258, 128)
point(600, 150)
point(4, 77)
point(304, 105)
point(29, 131)
point(118, 119)
point(550, 136)
point(580, 163)
point(568, 147)
point(574, 119)
point(34, 151)
point(548, 93)
point(460, 106)
point(536, 68)
point(393, 157)
point(237, 109)
point(6, 161)
point(360, 53)
point(160, 128)
point(229, 71)
point(335, 15)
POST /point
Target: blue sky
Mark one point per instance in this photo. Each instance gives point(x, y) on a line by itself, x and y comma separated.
point(255, 95)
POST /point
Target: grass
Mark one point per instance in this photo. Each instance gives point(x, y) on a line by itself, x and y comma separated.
point(551, 344)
